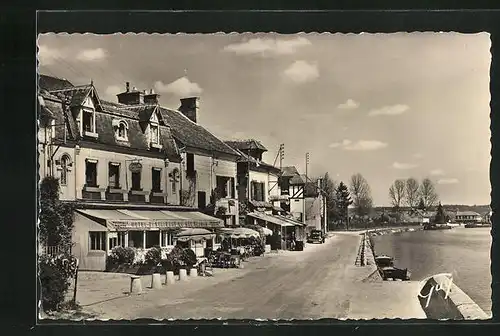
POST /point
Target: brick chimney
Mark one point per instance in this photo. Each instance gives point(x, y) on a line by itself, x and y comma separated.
point(151, 97)
point(189, 107)
point(130, 97)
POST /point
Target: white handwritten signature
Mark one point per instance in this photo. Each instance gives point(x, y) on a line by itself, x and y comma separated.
point(446, 287)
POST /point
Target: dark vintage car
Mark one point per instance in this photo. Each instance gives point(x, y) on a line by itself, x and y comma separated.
point(316, 236)
point(385, 265)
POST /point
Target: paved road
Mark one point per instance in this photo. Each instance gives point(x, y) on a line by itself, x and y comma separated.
point(314, 283)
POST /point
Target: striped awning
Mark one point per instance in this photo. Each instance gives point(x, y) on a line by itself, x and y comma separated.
point(269, 218)
point(123, 220)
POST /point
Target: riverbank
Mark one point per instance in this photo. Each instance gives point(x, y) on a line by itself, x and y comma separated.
point(462, 252)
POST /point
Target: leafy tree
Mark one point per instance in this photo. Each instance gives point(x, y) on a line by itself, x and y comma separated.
point(397, 194)
point(361, 194)
point(343, 202)
point(56, 217)
point(440, 215)
point(428, 193)
point(411, 192)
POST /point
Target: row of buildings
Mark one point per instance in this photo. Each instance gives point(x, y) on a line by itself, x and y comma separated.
point(137, 172)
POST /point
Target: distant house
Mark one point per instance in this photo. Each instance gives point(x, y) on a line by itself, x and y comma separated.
point(292, 185)
point(468, 217)
point(315, 207)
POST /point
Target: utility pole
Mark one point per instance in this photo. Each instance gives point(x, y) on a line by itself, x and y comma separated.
point(307, 165)
point(282, 155)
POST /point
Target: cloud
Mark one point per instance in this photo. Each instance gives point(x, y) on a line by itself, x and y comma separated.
point(90, 55)
point(182, 87)
point(418, 155)
point(47, 55)
point(389, 110)
point(267, 46)
point(398, 165)
point(112, 90)
point(448, 181)
point(348, 105)
point(436, 172)
point(365, 145)
point(345, 142)
point(302, 72)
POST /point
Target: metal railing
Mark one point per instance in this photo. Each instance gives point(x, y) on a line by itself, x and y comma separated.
point(54, 250)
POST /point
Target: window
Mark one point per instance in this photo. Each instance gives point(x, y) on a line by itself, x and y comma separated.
point(136, 181)
point(258, 191)
point(114, 175)
point(121, 239)
point(113, 242)
point(97, 241)
point(167, 238)
point(190, 162)
point(156, 179)
point(91, 173)
point(222, 186)
point(202, 200)
point(121, 131)
point(155, 136)
point(64, 169)
point(152, 238)
point(88, 121)
point(136, 239)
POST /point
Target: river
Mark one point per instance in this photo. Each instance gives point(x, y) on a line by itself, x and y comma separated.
point(463, 252)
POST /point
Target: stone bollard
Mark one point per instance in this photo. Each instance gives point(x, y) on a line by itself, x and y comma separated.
point(182, 274)
point(155, 281)
point(135, 284)
point(170, 278)
point(193, 272)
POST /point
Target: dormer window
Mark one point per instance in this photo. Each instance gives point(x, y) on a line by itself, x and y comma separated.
point(155, 134)
point(87, 124)
point(121, 130)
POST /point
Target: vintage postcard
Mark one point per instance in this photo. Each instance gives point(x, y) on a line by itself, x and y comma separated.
point(264, 176)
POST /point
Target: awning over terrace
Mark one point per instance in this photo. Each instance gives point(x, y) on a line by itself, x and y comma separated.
point(124, 220)
point(270, 218)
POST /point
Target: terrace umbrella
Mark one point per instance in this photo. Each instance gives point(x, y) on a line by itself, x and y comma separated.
point(237, 233)
point(194, 235)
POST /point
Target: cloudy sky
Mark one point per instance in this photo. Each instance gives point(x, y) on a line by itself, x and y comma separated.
point(387, 106)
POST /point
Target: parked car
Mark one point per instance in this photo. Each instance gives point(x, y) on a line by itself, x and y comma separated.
point(316, 236)
point(385, 265)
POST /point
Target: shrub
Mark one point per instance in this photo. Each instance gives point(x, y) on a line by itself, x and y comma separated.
point(153, 256)
point(188, 257)
point(55, 274)
point(121, 255)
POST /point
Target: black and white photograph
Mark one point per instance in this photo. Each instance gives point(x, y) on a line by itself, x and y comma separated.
point(264, 176)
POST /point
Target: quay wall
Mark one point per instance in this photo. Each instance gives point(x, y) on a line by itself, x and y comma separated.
point(455, 305)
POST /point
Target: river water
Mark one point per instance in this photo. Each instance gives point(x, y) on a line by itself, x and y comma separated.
point(463, 252)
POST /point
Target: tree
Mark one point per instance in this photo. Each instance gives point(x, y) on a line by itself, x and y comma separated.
point(329, 187)
point(428, 193)
point(343, 202)
point(397, 194)
point(361, 195)
point(421, 204)
point(56, 217)
point(440, 215)
point(411, 192)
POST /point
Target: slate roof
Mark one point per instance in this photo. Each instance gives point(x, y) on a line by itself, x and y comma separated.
point(246, 144)
point(289, 171)
point(190, 134)
point(298, 179)
point(253, 162)
point(50, 83)
point(137, 139)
